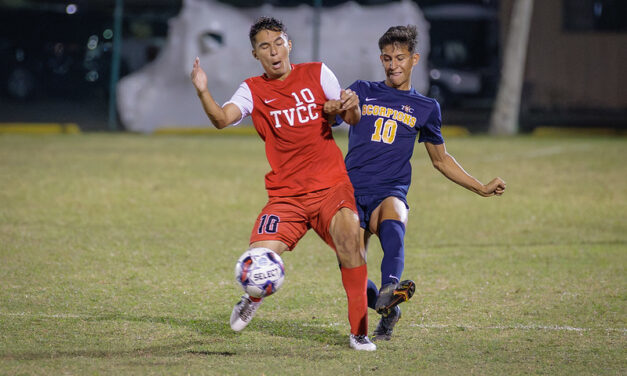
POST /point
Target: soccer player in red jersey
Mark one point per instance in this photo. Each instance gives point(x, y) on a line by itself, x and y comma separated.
point(308, 186)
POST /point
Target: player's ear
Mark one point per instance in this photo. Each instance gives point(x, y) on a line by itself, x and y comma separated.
point(289, 45)
point(381, 58)
point(255, 54)
point(416, 58)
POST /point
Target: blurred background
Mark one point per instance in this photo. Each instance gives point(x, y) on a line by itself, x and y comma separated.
point(60, 59)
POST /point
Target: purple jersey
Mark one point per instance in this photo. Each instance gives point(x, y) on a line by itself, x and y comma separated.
point(382, 143)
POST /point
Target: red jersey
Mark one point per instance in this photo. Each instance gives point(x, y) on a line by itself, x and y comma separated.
point(299, 142)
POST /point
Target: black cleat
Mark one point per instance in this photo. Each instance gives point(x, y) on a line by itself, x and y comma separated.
point(386, 325)
point(392, 295)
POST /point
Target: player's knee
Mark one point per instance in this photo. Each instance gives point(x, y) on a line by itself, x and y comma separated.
point(345, 230)
point(346, 244)
point(347, 247)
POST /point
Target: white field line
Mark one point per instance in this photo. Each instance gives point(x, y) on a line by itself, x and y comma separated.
point(44, 315)
point(516, 327)
point(496, 327)
point(421, 326)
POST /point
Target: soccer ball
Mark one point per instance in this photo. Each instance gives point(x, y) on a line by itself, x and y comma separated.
point(260, 272)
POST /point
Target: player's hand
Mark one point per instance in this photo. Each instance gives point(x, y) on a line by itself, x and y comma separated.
point(349, 99)
point(494, 188)
point(332, 107)
point(199, 77)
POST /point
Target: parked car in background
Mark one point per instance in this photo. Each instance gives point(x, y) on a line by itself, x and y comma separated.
point(464, 56)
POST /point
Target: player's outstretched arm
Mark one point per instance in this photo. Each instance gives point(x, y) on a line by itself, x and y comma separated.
point(220, 116)
point(448, 166)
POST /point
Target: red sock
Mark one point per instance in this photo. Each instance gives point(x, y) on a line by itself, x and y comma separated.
point(355, 281)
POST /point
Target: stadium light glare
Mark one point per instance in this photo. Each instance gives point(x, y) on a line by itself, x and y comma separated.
point(71, 9)
point(107, 34)
point(92, 42)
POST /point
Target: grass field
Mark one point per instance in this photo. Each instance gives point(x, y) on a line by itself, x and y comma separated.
point(117, 255)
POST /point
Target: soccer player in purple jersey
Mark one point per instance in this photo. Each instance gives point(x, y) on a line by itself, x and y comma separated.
point(380, 146)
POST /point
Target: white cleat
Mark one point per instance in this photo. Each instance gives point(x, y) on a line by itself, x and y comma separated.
point(243, 312)
point(361, 342)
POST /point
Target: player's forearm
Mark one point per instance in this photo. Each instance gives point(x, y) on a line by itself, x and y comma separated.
point(351, 116)
point(213, 110)
point(454, 172)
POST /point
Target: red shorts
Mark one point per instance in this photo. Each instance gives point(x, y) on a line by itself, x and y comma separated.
point(287, 219)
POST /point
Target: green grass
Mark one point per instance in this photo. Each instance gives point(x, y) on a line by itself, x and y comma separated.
point(117, 255)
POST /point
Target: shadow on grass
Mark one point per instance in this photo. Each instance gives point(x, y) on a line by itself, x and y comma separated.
point(217, 326)
point(298, 329)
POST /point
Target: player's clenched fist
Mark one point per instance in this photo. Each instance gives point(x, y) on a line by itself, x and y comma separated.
point(332, 107)
point(495, 187)
point(349, 99)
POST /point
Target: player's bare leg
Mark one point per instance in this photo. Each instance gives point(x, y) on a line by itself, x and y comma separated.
point(244, 311)
point(344, 230)
point(276, 245)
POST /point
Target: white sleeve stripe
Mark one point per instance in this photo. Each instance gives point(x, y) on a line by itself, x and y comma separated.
point(329, 83)
point(243, 99)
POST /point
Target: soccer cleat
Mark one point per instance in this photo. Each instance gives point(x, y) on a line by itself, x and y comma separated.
point(361, 342)
point(393, 294)
point(243, 312)
point(386, 325)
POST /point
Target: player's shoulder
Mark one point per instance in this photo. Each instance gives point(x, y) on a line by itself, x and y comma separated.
point(310, 70)
point(423, 100)
point(362, 86)
point(254, 80)
point(365, 84)
point(316, 65)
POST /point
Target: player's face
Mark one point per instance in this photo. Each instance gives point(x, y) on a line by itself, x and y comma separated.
point(398, 63)
point(272, 49)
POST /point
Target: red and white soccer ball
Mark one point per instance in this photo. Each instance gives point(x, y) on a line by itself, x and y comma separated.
point(260, 272)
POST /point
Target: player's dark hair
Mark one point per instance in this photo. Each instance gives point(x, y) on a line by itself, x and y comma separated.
point(403, 35)
point(265, 23)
